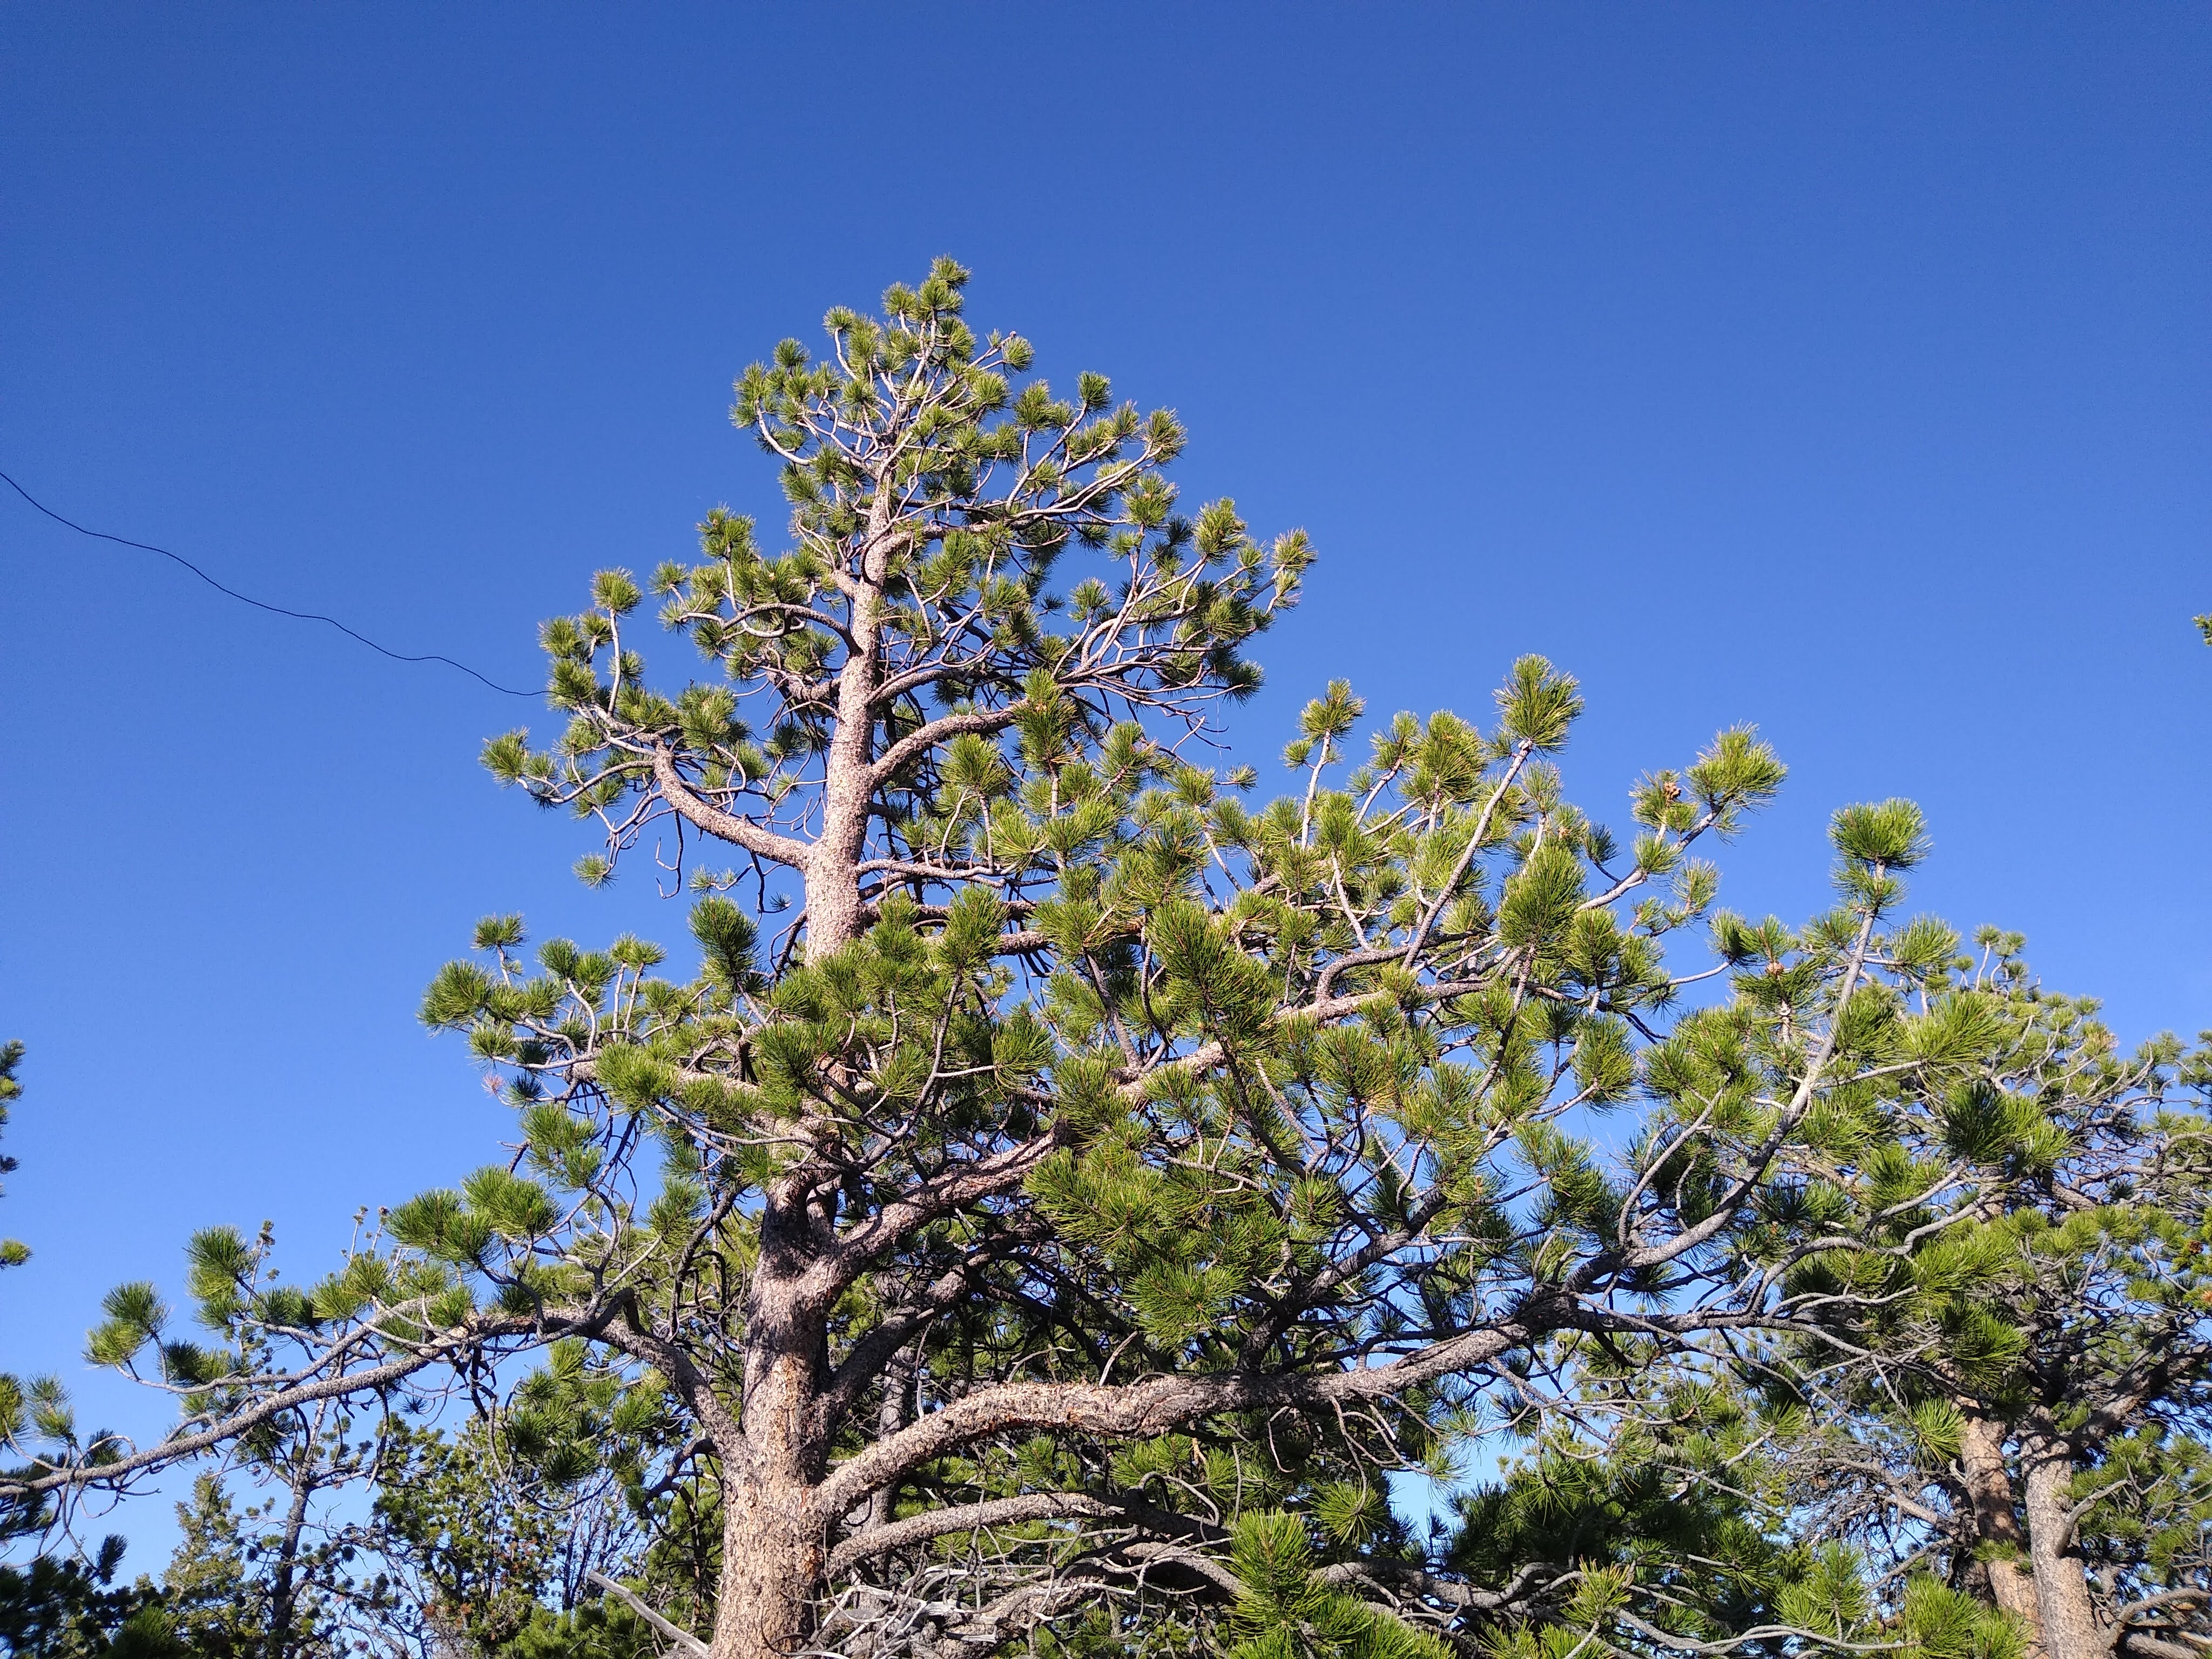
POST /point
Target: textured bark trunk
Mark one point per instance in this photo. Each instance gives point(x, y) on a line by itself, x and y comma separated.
point(283, 1593)
point(774, 1538)
point(2005, 1562)
point(2070, 1627)
point(833, 896)
point(890, 1418)
point(773, 1548)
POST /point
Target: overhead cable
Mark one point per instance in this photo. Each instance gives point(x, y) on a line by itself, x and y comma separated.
point(259, 604)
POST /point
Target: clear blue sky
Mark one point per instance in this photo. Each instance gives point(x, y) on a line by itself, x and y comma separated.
point(1840, 368)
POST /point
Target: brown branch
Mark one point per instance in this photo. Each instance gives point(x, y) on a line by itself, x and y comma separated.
point(725, 826)
point(951, 726)
point(1758, 1636)
point(1521, 753)
point(968, 1517)
point(1161, 1403)
point(270, 1406)
point(927, 1201)
point(676, 1633)
point(1730, 1203)
point(1123, 1507)
point(1420, 1581)
point(2162, 1599)
point(868, 1355)
point(1135, 1079)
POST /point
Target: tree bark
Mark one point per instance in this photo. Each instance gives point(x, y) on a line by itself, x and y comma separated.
point(890, 1418)
point(2004, 1549)
point(774, 1550)
point(2070, 1627)
point(283, 1593)
point(775, 1544)
point(774, 1534)
point(833, 889)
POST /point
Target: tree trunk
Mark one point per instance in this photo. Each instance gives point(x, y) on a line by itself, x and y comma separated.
point(833, 897)
point(774, 1551)
point(890, 1418)
point(2004, 1545)
point(284, 1590)
point(2070, 1627)
point(774, 1540)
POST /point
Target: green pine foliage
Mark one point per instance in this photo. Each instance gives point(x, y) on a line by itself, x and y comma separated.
point(58, 1607)
point(491, 1535)
point(214, 1593)
point(2020, 1359)
point(1059, 1184)
point(1286, 1609)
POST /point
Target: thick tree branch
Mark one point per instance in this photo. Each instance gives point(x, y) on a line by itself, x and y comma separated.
point(926, 738)
point(1161, 1403)
point(725, 826)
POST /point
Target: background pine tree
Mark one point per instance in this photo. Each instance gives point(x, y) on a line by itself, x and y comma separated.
point(2022, 1406)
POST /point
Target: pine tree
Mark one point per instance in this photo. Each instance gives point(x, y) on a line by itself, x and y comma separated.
point(58, 1606)
point(499, 1535)
point(1067, 1187)
point(2026, 1393)
point(27, 1411)
point(218, 1603)
point(67, 1602)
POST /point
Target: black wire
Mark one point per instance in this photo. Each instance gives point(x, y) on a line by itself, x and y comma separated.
point(258, 604)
